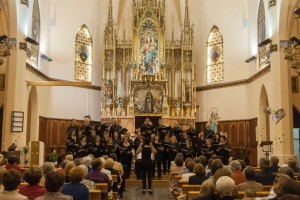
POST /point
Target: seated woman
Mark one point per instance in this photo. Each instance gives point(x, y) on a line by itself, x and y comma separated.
point(179, 166)
point(89, 184)
point(11, 182)
point(32, 176)
point(109, 163)
point(292, 163)
point(198, 179)
point(48, 167)
point(68, 167)
point(53, 184)
point(74, 188)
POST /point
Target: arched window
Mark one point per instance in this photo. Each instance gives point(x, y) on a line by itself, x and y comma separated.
point(83, 55)
point(214, 56)
point(34, 50)
point(261, 27)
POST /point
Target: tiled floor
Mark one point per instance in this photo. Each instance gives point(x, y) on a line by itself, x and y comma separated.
point(158, 193)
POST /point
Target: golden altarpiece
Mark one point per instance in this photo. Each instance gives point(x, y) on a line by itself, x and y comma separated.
point(148, 75)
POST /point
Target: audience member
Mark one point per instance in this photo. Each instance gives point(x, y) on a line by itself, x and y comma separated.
point(2, 171)
point(190, 167)
point(89, 184)
point(87, 160)
point(63, 165)
point(32, 176)
point(292, 163)
point(68, 168)
point(48, 167)
point(69, 157)
point(237, 174)
point(289, 197)
point(250, 183)
point(11, 182)
point(185, 169)
point(105, 171)
point(77, 162)
point(109, 163)
point(13, 164)
point(283, 185)
point(215, 165)
point(74, 188)
point(199, 176)
point(53, 184)
point(274, 164)
point(225, 187)
point(178, 166)
point(203, 160)
point(265, 177)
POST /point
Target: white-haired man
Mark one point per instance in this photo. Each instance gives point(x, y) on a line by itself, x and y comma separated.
point(225, 186)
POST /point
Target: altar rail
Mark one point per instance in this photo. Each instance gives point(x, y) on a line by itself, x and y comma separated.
point(241, 133)
point(53, 132)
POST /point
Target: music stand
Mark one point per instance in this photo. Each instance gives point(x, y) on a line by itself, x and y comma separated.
point(266, 147)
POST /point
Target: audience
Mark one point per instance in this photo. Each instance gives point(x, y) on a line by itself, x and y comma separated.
point(69, 157)
point(117, 165)
point(63, 165)
point(199, 176)
point(250, 183)
point(237, 174)
point(215, 165)
point(48, 167)
point(178, 166)
point(96, 175)
point(283, 185)
point(225, 187)
point(265, 177)
point(185, 169)
point(11, 182)
point(32, 176)
point(289, 197)
point(203, 160)
point(105, 171)
point(109, 163)
point(53, 184)
point(74, 188)
point(274, 164)
point(87, 160)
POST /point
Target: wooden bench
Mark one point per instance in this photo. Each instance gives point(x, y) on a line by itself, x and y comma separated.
point(192, 194)
point(258, 194)
point(182, 182)
point(95, 194)
point(267, 187)
point(177, 177)
point(114, 178)
point(187, 188)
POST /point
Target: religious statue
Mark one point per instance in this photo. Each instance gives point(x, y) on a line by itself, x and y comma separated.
point(149, 103)
point(108, 85)
point(213, 120)
point(187, 92)
point(149, 56)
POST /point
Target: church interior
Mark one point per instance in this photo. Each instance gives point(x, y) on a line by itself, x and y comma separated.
point(230, 64)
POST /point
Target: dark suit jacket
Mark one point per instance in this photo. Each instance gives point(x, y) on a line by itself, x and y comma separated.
point(197, 180)
point(265, 177)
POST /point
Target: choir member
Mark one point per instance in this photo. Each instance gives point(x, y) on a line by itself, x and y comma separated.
point(172, 149)
point(79, 135)
point(165, 154)
point(223, 149)
point(183, 139)
point(115, 127)
point(207, 130)
point(74, 126)
point(188, 149)
point(162, 130)
point(136, 141)
point(71, 141)
point(176, 131)
point(105, 137)
point(138, 158)
point(97, 148)
point(116, 142)
point(147, 128)
point(201, 144)
point(159, 147)
point(82, 148)
point(86, 127)
point(111, 148)
point(210, 148)
point(126, 155)
point(92, 138)
point(217, 138)
point(193, 134)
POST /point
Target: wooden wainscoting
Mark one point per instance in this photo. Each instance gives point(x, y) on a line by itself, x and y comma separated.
point(241, 133)
point(53, 133)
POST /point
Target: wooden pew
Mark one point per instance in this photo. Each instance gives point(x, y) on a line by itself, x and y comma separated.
point(177, 177)
point(187, 188)
point(192, 194)
point(24, 184)
point(114, 178)
point(267, 187)
point(95, 194)
point(182, 182)
point(258, 194)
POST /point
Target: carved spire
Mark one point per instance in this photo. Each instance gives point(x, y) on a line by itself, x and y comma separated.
point(110, 10)
point(187, 14)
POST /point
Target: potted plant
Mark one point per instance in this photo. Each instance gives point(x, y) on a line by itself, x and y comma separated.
point(25, 150)
point(52, 157)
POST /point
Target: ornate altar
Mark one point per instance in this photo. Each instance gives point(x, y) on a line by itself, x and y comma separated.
point(148, 75)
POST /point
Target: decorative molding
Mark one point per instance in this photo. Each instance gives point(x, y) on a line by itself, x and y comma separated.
point(47, 78)
point(273, 48)
point(235, 83)
point(272, 3)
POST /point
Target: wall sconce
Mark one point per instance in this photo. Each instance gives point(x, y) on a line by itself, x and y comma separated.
point(25, 2)
point(265, 42)
point(43, 56)
point(250, 59)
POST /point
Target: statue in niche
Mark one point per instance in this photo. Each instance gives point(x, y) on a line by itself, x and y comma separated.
point(160, 101)
point(108, 85)
point(187, 92)
point(149, 101)
point(149, 56)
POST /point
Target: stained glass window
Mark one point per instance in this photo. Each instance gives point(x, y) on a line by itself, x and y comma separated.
point(34, 50)
point(83, 55)
point(214, 56)
point(261, 23)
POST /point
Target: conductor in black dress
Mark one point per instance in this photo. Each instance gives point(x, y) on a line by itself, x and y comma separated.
point(147, 149)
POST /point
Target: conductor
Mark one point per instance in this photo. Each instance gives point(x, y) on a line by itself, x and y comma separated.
point(146, 164)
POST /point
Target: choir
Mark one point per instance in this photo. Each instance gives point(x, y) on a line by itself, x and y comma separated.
point(168, 141)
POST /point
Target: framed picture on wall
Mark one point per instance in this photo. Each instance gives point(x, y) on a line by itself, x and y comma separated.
point(295, 84)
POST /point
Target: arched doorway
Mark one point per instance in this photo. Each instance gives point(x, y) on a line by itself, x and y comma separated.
point(32, 116)
point(264, 116)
